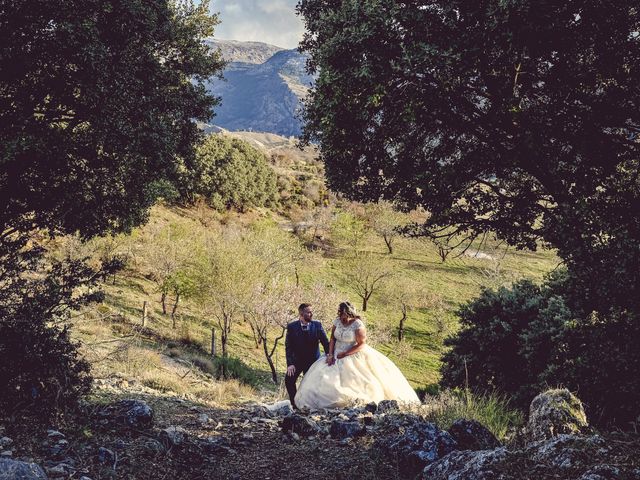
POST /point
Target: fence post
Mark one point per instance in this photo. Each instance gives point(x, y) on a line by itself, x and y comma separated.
point(144, 313)
point(213, 342)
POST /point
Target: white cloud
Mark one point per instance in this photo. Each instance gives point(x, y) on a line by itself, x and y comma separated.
point(272, 21)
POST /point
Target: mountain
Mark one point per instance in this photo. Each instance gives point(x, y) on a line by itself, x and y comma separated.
point(245, 52)
point(263, 96)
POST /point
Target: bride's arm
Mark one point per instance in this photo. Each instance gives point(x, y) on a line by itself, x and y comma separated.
point(361, 341)
point(332, 346)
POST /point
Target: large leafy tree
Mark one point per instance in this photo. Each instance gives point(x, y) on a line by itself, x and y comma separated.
point(97, 98)
point(518, 117)
point(97, 101)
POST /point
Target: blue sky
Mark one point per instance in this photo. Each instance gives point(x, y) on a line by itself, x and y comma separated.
point(269, 21)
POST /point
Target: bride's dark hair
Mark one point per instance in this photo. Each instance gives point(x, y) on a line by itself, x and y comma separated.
point(349, 309)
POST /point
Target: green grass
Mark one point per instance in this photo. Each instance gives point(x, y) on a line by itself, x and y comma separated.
point(416, 261)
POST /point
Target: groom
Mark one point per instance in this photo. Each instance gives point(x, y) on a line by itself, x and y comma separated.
point(302, 347)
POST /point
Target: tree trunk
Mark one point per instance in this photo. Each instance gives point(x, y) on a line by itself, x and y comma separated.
point(213, 342)
point(274, 374)
point(175, 307)
point(163, 300)
point(144, 313)
point(401, 326)
point(365, 301)
point(388, 241)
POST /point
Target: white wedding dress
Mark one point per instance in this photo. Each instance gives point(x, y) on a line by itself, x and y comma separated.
point(366, 376)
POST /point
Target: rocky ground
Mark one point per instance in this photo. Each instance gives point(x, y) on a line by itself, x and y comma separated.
point(149, 437)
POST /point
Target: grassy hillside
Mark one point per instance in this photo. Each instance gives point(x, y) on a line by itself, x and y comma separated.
point(175, 359)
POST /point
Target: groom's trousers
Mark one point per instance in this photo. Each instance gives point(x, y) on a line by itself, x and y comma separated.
point(290, 381)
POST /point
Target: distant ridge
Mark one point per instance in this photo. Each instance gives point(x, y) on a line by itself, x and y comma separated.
point(244, 52)
point(263, 88)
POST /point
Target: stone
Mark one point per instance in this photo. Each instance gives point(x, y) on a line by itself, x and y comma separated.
point(215, 445)
point(281, 409)
point(55, 434)
point(566, 452)
point(553, 413)
point(6, 453)
point(5, 442)
point(341, 430)
point(60, 470)
point(131, 413)
point(468, 465)
point(388, 406)
point(420, 444)
point(153, 446)
point(602, 472)
point(472, 435)
point(106, 456)
point(173, 436)
point(203, 419)
point(371, 407)
point(15, 470)
point(59, 449)
point(301, 425)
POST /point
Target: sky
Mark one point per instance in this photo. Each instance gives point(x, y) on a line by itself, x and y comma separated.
point(268, 21)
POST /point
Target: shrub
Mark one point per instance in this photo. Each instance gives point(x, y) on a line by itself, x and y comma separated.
point(521, 339)
point(229, 173)
point(229, 367)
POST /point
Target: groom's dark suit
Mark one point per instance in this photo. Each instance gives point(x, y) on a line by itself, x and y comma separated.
point(303, 348)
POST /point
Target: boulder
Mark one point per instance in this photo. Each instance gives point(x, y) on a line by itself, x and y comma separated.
point(568, 452)
point(131, 413)
point(301, 425)
point(419, 445)
point(173, 436)
point(15, 470)
point(5, 442)
point(555, 412)
point(468, 465)
point(340, 429)
point(472, 435)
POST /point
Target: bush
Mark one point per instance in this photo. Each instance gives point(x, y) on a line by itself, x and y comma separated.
point(40, 369)
point(521, 339)
point(229, 367)
point(492, 410)
point(229, 173)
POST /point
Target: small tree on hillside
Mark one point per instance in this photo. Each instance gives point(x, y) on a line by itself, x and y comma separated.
point(350, 231)
point(383, 219)
point(407, 295)
point(225, 277)
point(366, 273)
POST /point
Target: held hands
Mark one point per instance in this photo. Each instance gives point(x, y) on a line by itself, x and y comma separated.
point(330, 359)
point(291, 370)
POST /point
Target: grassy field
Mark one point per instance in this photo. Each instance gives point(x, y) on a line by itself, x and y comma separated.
point(176, 360)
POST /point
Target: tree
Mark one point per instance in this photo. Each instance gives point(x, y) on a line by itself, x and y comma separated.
point(350, 230)
point(225, 277)
point(229, 173)
point(272, 305)
point(98, 99)
point(502, 116)
point(407, 295)
point(383, 219)
point(366, 273)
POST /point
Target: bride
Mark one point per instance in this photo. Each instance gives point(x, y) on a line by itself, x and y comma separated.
point(352, 370)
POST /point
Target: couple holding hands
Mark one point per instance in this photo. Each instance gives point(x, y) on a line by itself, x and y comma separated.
point(350, 371)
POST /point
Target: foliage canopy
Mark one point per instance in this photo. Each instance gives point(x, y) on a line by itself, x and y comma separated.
point(507, 116)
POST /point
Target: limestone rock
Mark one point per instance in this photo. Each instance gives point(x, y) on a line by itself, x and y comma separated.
point(388, 406)
point(341, 430)
point(421, 444)
point(173, 436)
point(300, 425)
point(131, 413)
point(472, 435)
point(468, 465)
point(555, 412)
